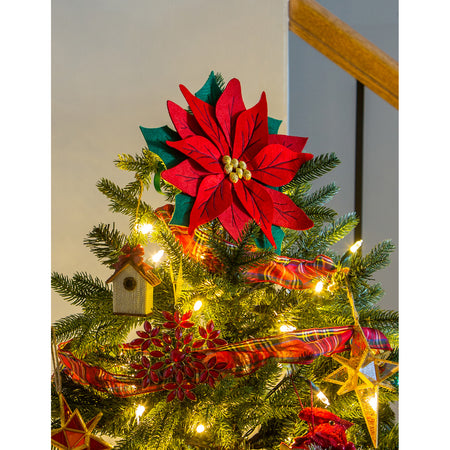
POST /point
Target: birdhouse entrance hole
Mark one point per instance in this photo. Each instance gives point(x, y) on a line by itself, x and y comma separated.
point(129, 283)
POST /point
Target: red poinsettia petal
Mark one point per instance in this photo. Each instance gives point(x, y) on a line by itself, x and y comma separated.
point(167, 315)
point(189, 372)
point(202, 151)
point(146, 381)
point(234, 218)
point(229, 105)
point(187, 324)
point(203, 333)
point(198, 355)
point(191, 396)
point(220, 366)
point(210, 326)
point(287, 214)
point(187, 386)
point(170, 325)
point(251, 133)
point(154, 377)
point(214, 196)
point(179, 377)
point(205, 116)
point(155, 332)
point(171, 396)
point(140, 374)
point(170, 386)
point(186, 176)
point(220, 342)
point(176, 316)
point(276, 165)
point(210, 344)
point(258, 203)
point(188, 338)
point(157, 365)
point(203, 377)
point(187, 315)
point(156, 354)
point(142, 334)
point(198, 365)
point(136, 366)
point(185, 123)
point(214, 334)
point(146, 345)
point(137, 341)
point(168, 372)
point(198, 344)
point(212, 362)
point(145, 362)
point(180, 394)
point(294, 143)
point(147, 326)
point(157, 342)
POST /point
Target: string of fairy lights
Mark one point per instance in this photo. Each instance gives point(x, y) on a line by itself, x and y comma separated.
point(147, 229)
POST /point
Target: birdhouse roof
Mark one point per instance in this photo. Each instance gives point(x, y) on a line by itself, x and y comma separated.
point(149, 276)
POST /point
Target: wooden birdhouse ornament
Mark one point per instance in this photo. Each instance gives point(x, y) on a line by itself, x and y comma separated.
point(133, 283)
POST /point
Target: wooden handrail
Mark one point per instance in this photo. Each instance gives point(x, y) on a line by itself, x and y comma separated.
point(345, 47)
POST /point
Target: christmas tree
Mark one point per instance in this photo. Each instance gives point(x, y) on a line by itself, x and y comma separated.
point(251, 332)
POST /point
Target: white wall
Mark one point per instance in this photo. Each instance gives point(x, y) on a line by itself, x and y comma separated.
point(322, 106)
point(114, 65)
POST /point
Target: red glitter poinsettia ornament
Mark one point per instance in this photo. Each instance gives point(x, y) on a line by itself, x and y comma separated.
point(179, 368)
point(234, 164)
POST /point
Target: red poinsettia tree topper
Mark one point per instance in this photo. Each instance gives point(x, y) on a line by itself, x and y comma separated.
point(234, 163)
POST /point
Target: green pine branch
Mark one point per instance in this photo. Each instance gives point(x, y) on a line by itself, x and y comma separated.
point(315, 168)
point(82, 287)
point(105, 242)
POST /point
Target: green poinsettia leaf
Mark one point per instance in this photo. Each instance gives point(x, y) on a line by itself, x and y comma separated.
point(210, 91)
point(183, 207)
point(156, 141)
point(273, 125)
point(278, 236)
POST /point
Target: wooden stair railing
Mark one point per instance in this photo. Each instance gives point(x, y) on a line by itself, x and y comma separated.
point(345, 47)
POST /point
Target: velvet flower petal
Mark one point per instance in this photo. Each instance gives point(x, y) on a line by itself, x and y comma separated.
point(274, 165)
point(214, 197)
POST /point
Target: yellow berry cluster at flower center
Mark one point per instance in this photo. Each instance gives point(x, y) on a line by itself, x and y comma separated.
point(235, 169)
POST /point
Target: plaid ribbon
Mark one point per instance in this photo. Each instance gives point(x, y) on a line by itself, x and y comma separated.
point(242, 358)
point(290, 273)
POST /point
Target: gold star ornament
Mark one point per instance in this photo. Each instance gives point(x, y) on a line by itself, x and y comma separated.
point(364, 372)
point(74, 433)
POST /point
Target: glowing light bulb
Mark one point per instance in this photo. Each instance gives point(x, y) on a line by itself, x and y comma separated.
point(319, 286)
point(356, 245)
point(285, 328)
point(323, 398)
point(139, 411)
point(198, 305)
point(373, 402)
point(200, 428)
point(144, 228)
point(157, 256)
